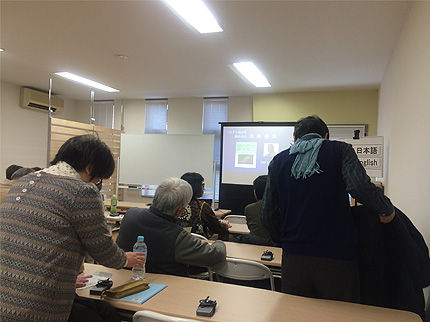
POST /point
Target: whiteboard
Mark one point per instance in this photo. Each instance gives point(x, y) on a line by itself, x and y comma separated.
point(148, 159)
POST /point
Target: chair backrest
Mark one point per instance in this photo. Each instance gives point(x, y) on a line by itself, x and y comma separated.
point(244, 270)
point(149, 316)
point(199, 236)
point(236, 219)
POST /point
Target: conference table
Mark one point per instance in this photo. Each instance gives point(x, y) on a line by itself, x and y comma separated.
point(253, 253)
point(222, 212)
point(240, 303)
point(241, 229)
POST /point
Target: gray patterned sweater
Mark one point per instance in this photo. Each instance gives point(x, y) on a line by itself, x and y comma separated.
point(47, 223)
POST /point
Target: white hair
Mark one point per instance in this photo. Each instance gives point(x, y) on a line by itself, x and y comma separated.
point(172, 194)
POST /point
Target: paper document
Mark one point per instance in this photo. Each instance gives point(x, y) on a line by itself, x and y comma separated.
point(97, 276)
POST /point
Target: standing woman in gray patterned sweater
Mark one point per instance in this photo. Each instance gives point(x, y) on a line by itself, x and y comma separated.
point(48, 221)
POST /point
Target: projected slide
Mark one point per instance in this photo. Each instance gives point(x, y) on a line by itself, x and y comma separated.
point(248, 150)
point(246, 155)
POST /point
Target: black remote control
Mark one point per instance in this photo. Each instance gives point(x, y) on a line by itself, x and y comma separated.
point(267, 256)
point(206, 307)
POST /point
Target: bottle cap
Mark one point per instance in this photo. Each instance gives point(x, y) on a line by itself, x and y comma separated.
point(140, 238)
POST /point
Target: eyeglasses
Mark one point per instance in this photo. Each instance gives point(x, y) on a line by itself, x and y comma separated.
point(99, 184)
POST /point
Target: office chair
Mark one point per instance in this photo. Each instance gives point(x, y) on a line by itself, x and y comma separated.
point(243, 270)
point(149, 316)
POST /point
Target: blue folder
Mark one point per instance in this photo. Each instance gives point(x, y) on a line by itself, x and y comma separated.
point(145, 295)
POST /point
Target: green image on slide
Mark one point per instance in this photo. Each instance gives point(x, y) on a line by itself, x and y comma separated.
point(246, 153)
point(245, 158)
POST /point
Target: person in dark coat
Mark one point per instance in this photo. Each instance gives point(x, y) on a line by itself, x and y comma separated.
point(394, 263)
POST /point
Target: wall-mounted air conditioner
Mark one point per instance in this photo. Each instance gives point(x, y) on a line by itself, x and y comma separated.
point(37, 100)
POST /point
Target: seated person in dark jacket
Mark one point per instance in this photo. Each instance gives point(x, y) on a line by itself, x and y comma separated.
point(198, 214)
point(258, 233)
point(252, 211)
point(171, 249)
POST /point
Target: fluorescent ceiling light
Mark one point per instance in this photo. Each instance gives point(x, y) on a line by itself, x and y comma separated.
point(86, 81)
point(252, 73)
point(196, 14)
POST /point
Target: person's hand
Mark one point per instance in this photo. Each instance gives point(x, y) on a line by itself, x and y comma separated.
point(387, 219)
point(225, 223)
point(82, 280)
point(135, 258)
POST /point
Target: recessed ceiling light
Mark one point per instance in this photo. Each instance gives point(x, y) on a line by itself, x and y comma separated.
point(196, 14)
point(252, 73)
point(86, 81)
point(1, 49)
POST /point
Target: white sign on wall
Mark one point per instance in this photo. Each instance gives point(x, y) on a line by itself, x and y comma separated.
point(370, 152)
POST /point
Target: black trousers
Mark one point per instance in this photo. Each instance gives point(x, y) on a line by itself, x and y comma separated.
point(322, 278)
point(89, 310)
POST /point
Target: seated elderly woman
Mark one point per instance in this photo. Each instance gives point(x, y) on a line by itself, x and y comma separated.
point(198, 214)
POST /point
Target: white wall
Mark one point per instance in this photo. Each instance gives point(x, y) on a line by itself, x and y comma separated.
point(69, 112)
point(185, 116)
point(82, 112)
point(404, 117)
point(24, 132)
point(240, 109)
point(134, 116)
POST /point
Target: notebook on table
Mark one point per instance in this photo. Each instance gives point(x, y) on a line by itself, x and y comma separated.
point(142, 297)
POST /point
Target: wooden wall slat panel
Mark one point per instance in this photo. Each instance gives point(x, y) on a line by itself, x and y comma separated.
point(68, 130)
point(78, 125)
point(106, 130)
point(61, 137)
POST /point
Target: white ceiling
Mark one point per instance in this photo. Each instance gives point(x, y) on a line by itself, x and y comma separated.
point(300, 45)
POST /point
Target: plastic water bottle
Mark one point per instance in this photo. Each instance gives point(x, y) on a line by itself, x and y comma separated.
point(140, 246)
point(113, 203)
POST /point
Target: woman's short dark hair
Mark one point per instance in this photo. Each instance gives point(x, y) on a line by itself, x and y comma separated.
point(195, 180)
point(87, 151)
point(310, 124)
point(259, 186)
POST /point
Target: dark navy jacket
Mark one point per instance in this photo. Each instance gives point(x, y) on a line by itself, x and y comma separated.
point(312, 216)
point(315, 213)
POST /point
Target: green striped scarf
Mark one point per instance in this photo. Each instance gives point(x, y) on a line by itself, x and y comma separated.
point(307, 149)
